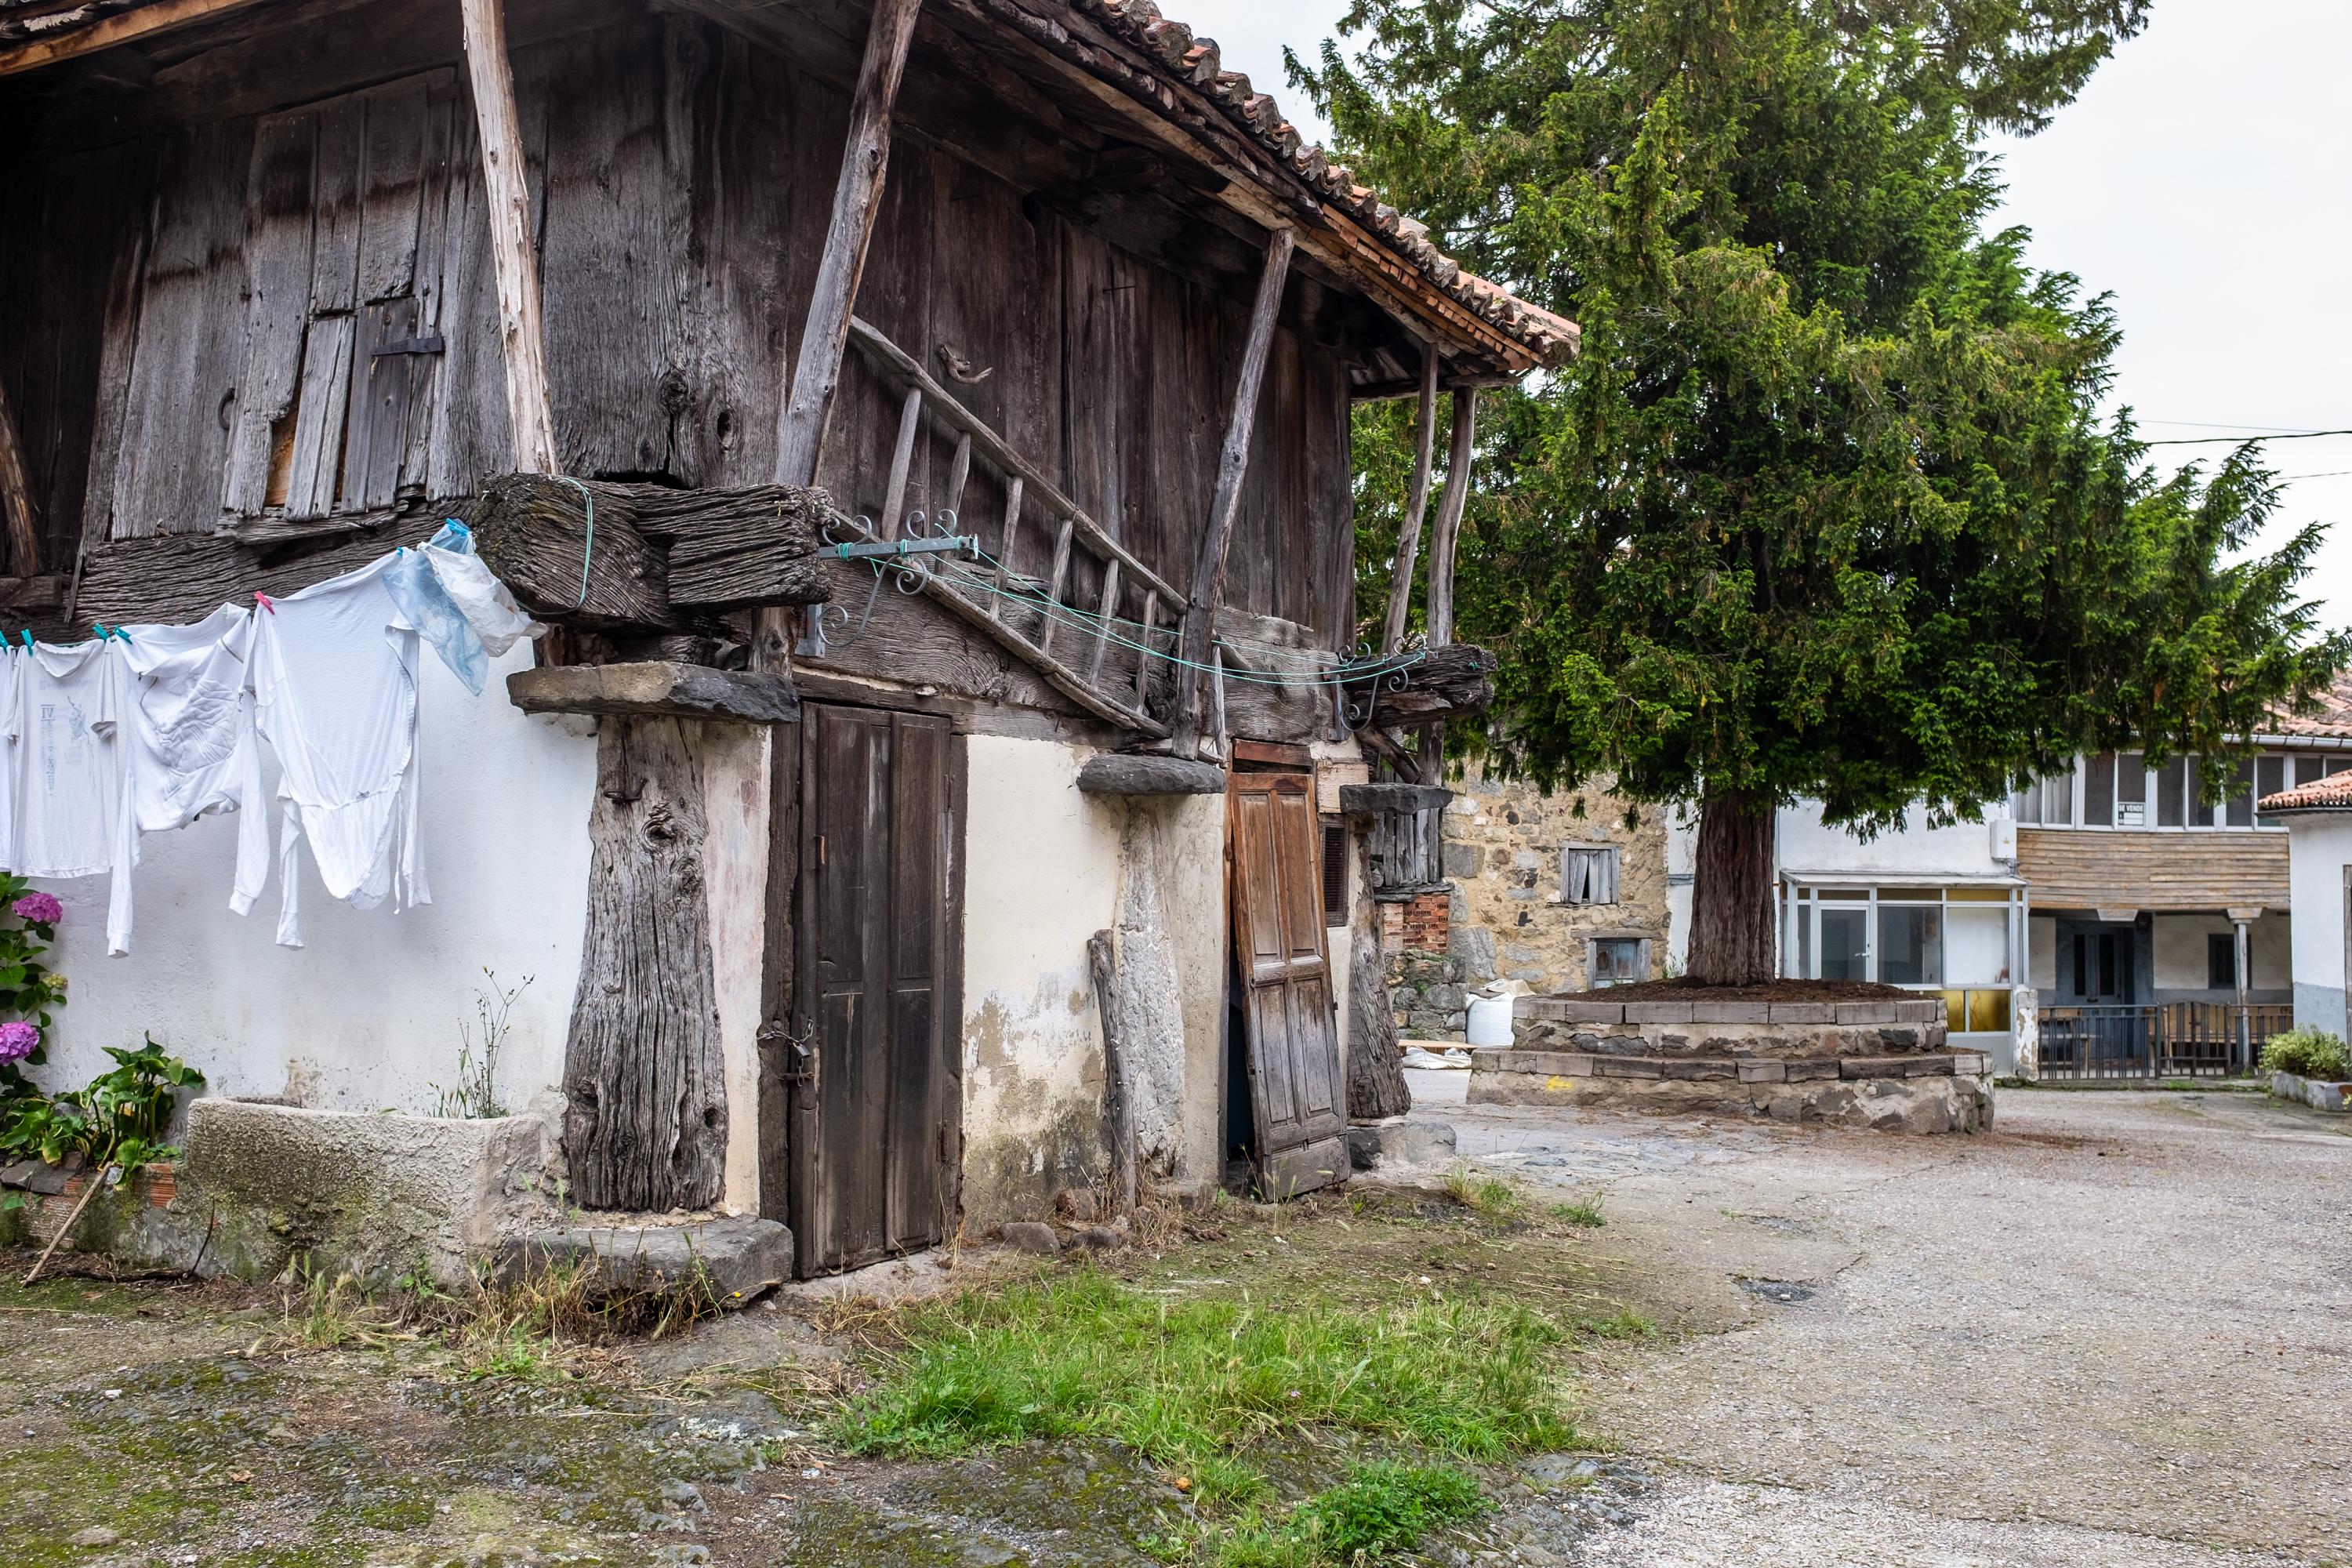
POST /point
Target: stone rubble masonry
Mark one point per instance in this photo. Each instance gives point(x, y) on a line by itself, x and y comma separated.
point(1943, 1092)
point(1737, 1029)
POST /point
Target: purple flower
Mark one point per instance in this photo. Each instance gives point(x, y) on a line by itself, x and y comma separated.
point(19, 1039)
point(39, 909)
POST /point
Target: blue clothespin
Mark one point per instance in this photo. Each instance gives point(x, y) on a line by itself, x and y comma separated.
point(27, 632)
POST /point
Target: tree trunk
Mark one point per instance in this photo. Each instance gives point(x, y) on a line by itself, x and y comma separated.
point(1376, 1086)
point(1731, 900)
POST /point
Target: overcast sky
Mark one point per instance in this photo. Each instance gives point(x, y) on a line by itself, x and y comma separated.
point(2200, 180)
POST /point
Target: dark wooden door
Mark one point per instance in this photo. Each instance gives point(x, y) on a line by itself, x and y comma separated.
point(1296, 1097)
point(875, 1123)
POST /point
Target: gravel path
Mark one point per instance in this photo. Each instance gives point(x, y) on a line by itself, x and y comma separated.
point(2115, 1332)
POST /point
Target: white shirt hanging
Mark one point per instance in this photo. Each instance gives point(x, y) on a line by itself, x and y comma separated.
point(334, 682)
point(193, 747)
point(57, 710)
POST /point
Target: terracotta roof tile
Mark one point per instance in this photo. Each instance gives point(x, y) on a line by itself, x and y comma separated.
point(2332, 793)
point(2333, 720)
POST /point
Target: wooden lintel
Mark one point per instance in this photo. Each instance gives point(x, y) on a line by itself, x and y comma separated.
point(513, 251)
point(1118, 772)
point(655, 689)
point(1392, 799)
point(1272, 755)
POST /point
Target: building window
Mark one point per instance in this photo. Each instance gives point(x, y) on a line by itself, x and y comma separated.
point(1588, 874)
point(2221, 961)
point(1335, 871)
point(1620, 960)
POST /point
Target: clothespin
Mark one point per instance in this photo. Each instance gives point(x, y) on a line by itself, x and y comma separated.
point(27, 632)
point(264, 601)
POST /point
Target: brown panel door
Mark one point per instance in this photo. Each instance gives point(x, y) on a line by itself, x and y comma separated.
point(1293, 1046)
point(874, 1131)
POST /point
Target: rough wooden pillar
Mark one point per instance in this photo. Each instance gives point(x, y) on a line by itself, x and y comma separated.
point(857, 199)
point(21, 519)
point(1449, 518)
point(1208, 587)
point(1408, 529)
point(645, 1125)
point(522, 336)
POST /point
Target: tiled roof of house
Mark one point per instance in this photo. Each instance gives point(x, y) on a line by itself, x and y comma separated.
point(2332, 721)
point(2332, 793)
point(1196, 59)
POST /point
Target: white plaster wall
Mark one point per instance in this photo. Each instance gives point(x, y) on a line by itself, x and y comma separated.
point(1963, 849)
point(2320, 848)
point(1042, 875)
point(733, 761)
point(365, 1015)
point(2179, 942)
point(1192, 882)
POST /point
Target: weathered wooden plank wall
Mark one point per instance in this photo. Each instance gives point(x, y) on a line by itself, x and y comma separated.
point(190, 333)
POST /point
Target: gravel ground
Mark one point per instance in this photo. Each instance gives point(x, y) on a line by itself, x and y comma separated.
point(2113, 1333)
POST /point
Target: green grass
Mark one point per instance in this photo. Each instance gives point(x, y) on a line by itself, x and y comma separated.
point(1194, 1385)
point(1581, 1213)
point(1489, 1197)
point(1379, 1510)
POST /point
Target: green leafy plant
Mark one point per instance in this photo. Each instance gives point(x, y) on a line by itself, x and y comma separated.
point(2308, 1052)
point(28, 988)
point(1582, 1212)
point(117, 1123)
point(1378, 1511)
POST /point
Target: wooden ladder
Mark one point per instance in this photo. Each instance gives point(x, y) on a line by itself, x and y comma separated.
point(1023, 613)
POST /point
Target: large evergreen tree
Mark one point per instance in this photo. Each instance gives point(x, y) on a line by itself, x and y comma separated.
point(1826, 508)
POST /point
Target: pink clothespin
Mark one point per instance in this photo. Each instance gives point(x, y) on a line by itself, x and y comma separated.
point(264, 601)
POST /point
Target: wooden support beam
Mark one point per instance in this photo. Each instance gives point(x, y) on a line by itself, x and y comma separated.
point(856, 200)
point(1232, 465)
point(20, 518)
point(902, 462)
point(1422, 687)
point(1416, 504)
point(514, 256)
point(122, 27)
point(1387, 799)
point(1449, 518)
point(656, 689)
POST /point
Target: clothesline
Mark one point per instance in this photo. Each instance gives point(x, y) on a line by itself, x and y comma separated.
point(146, 729)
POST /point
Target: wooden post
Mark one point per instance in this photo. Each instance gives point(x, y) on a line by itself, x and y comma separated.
point(857, 199)
point(1408, 529)
point(513, 256)
point(17, 512)
point(1449, 518)
point(1118, 1089)
point(1233, 465)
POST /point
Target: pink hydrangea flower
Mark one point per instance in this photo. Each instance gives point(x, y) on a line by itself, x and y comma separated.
point(39, 909)
point(19, 1039)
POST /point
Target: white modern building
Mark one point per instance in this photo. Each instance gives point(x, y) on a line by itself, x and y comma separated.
point(2319, 819)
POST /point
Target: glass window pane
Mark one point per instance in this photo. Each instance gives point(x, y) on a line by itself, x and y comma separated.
point(2270, 777)
point(2310, 769)
point(1988, 1010)
point(1956, 1011)
point(2099, 791)
point(1910, 945)
point(2171, 792)
point(1976, 946)
point(1805, 944)
point(2241, 795)
point(1846, 944)
point(2131, 790)
point(2026, 805)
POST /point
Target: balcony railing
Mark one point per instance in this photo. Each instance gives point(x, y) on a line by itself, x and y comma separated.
point(2172, 1039)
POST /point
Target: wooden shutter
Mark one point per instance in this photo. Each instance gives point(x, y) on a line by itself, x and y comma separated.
point(1293, 1047)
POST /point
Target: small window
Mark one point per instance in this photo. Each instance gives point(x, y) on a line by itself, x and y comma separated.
point(2174, 787)
point(2131, 790)
point(2221, 961)
point(2240, 808)
point(1588, 874)
point(2270, 777)
point(1335, 871)
point(1618, 961)
point(2099, 791)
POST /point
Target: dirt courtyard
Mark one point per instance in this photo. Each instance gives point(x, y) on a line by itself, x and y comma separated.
point(2113, 1333)
point(2117, 1331)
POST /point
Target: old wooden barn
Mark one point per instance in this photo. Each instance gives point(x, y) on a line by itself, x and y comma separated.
point(926, 425)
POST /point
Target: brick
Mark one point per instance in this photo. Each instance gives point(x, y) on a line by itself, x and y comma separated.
point(1804, 1013)
point(1866, 1012)
point(1701, 1067)
point(1626, 1066)
point(1805, 1069)
point(1732, 1013)
point(1763, 1072)
point(1657, 1012)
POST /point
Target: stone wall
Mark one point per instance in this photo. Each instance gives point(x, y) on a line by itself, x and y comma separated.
point(1506, 917)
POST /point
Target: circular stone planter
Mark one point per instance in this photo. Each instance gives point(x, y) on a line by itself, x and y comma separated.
point(1879, 1063)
